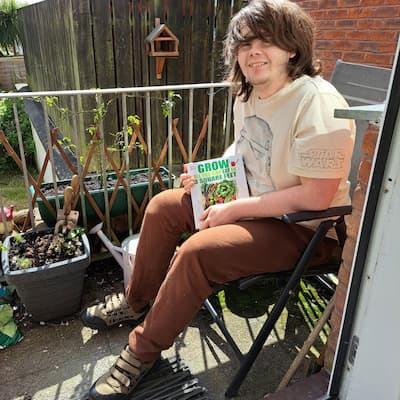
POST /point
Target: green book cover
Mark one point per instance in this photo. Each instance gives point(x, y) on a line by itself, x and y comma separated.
point(217, 180)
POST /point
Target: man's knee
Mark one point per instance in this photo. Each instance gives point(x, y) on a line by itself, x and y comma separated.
point(162, 202)
point(192, 254)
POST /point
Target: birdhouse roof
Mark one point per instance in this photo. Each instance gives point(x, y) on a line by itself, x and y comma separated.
point(156, 32)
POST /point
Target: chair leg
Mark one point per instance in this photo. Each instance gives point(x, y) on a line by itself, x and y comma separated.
point(222, 327)
point(265, 331)
point(261, 338)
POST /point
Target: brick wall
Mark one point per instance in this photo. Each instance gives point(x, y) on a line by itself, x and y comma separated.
point(360, 31)
point(366, 32)
point(353, 225)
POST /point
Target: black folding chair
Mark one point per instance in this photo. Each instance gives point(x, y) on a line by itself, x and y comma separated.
point(359, 84)
point(336, 220)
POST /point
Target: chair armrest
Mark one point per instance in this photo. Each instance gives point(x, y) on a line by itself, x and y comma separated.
point(310, 215)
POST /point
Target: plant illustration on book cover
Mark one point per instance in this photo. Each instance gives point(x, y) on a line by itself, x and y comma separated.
point(217, 180)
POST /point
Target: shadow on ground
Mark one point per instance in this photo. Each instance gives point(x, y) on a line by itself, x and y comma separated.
point(60, 360)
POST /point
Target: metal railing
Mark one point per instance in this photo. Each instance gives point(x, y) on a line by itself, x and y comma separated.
point(75, 97)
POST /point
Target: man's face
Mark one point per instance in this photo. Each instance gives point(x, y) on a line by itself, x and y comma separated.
point(263, 64)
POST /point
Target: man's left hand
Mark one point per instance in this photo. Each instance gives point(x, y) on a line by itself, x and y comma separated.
point(219, 214)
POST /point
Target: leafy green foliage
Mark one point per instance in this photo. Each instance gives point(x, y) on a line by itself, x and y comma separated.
point(9, 31)
point(3, 247)
point(24, 262)
point(7, 124)
point(169, 103)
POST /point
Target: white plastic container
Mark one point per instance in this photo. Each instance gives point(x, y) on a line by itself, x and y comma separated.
point(129, 246)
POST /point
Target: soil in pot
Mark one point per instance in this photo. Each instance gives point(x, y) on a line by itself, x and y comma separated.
point(95, 182)
point(41, 248)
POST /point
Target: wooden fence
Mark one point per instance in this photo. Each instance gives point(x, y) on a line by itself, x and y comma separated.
point(83, 44)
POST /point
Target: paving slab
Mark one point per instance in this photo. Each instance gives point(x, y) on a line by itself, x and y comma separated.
point(61, 360)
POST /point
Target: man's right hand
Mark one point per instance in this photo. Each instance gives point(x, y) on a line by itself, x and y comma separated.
point(187, 181)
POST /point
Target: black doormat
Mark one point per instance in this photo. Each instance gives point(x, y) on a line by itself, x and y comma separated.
point(170, 380)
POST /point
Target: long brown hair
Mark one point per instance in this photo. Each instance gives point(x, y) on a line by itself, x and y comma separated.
point(279, 22)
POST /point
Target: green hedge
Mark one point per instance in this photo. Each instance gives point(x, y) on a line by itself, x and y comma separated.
point(7, 124)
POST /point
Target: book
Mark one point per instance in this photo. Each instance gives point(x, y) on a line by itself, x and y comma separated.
point(217, 180)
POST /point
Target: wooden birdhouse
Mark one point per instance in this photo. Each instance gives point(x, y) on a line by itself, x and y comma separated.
point(161, 43)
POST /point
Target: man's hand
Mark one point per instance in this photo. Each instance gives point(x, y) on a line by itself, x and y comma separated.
point(187, 181)
point(219, 214)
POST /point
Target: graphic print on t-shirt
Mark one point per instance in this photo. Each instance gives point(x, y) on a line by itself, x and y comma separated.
point(255, 144)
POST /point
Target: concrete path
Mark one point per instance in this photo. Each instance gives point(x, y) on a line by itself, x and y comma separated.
point(58, 361)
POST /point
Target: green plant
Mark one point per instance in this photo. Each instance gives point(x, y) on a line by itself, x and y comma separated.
point(9, 30)
point(70, 242)
point(19, 238)
point(7, 124)
point(169, 103)
point(23, 262)
point(2, 247)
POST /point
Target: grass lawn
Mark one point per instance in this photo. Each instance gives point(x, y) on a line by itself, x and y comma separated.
point(12, 190)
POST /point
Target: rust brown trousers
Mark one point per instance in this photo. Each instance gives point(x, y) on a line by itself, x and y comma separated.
point(179, 283)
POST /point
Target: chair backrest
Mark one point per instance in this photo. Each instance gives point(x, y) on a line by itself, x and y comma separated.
point(360, 85)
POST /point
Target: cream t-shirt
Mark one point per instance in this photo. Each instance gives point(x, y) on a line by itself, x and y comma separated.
point(294, 133)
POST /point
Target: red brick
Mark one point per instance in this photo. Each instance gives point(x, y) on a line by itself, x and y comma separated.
point(354, 12)
point(328, 359)
point(358, 199)
point(318, 14)
point(339, 45)
point(365, 23)
point(327, 68)
point(346, 23)
point(364, 172)
point(333, 340)
point(369, 143)
point(329, 55)
point(380, 12)
point(344, 275)
point(348, 3)
point(359, 35)
point(347, 265)
point(331, 350)
point(336, 319)
point(365, 46)
point(340, 297)
point(378, 36)
point(348, 251)
point(324, 24)
point(327, 44)
point(353, 223)
point(333, 34)
point(336, 14)
point(310, 5)
point(391, 23)
point(386, 47)
point(392, 2)
point(371, 2)
point(325, 4)
point(352, 56)
point(385, 36)
point(380, 60)
point(333, 337)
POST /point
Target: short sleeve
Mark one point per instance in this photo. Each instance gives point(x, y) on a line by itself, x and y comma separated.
point(322, 144)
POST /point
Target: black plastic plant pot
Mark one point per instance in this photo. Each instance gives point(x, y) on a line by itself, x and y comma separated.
point(138, 186)
point(52, 291)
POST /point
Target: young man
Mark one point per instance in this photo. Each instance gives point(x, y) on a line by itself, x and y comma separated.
point(297, 157)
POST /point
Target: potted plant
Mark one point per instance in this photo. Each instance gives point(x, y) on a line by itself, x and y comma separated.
point(138, 182)
point(47, 270)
